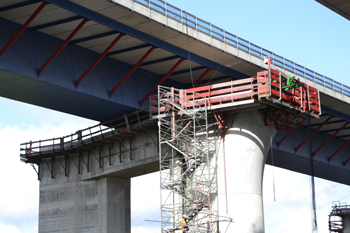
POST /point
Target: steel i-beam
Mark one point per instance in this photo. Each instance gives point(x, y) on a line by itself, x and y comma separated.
point(335, 153)
point(24, 26)
point(201, 77)
point(313, 133)
point(163, 79)
point(100, 58)
point(335, 134)
point(69, 38)
point(132, 70)
point(345, 162)
point(290, 132)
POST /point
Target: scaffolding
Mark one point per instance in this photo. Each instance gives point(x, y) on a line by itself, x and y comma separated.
point(187, 171)
point(339, 211)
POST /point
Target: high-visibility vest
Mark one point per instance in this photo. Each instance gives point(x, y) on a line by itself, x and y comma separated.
point(183, 223)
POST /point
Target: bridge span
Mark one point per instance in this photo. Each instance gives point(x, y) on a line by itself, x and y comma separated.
point(101, 59)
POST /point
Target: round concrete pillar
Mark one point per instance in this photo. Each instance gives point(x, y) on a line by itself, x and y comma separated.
point(346, 222)
point(246, 142)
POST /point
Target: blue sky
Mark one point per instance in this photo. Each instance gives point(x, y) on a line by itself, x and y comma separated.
point(300, 30)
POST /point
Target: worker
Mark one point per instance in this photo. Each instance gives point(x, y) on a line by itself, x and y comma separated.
point(184, 225)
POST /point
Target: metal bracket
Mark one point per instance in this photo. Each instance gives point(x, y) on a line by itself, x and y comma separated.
point(65, 165)
point(51, 168)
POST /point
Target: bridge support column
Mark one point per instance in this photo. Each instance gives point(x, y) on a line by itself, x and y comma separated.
point(114, 205)
point(247, 142)
point(101, 205)
point(346, 223)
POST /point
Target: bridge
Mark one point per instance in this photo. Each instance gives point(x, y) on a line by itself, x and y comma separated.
point(118, 45)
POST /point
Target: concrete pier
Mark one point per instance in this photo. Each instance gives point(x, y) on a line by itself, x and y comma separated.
point(346, 223)
point(246, 143)
point(89, 191)
point(101, 205)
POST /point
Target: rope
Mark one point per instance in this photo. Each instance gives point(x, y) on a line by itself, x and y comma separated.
point(273, 174)
point(312, 177)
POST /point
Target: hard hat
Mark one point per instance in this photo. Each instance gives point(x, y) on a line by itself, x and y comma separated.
point(184, 216)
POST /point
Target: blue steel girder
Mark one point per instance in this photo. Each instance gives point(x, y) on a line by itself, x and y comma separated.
point(128, 49)
point(84, 39)
point(55, 23)
point(332, 130)
point(186, 71)
point(160, 60)
point(285, 155)
point(328, 123)
point(343, 136)
point(55, 88)
point(205, 82)
point(42, 55)
point(330, 112)
point(104, 20)
point(20, 4)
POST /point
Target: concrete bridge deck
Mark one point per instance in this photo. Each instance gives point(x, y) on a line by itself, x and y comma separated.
point(146, 24)
point(114, 55)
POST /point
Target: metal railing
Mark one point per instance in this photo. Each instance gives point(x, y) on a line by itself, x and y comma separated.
point(85, 136)
point(218, 33)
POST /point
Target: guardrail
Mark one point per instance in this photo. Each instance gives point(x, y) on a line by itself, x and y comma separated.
point(198, 24)
point(124, 124)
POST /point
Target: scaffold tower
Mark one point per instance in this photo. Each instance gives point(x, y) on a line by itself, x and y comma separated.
point(187, 174)
point(188, 155)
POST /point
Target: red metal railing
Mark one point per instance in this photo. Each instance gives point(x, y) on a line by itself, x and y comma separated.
point(267, 84)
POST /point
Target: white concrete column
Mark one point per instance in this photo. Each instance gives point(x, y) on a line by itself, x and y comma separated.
point(346, 223)
point(101, 205)
point(113, 205)
point(247, 142)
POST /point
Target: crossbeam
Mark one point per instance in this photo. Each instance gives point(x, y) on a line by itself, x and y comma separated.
point(329, 139)
point(335, 153)
point(290, 132)
point(313, 133)
point(24, 26)
point(162, 80)
point(201, 77)
point(99, 59)
point(132, 70)
point(76, 30)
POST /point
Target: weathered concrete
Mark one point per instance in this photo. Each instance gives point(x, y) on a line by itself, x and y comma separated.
point(344, 213)
point(93, 196)
point(101, 205)
point(247, 142)
point(346, 223)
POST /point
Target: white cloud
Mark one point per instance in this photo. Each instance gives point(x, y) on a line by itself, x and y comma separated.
point(144, 230)
point(8, 229)
point(19, 202)
point(146, 206)
point(292, 210)
point(20, 198)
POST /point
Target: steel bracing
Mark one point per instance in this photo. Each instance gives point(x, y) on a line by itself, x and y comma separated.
point(187, 173)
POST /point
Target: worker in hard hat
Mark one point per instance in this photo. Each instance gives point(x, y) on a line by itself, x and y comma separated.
point(184, 225)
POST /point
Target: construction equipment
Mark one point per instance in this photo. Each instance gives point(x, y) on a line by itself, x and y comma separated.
point(188, 177)
point(340, 212)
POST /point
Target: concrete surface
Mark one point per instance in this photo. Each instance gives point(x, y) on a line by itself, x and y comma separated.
point(97, 200)
point(100, 205)
point(346, 223)
point(247, 143)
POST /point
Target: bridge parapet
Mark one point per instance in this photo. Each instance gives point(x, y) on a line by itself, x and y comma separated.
point(115, 147)
point(204, 31)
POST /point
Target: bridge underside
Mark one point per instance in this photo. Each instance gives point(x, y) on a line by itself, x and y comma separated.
point(56, 87)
